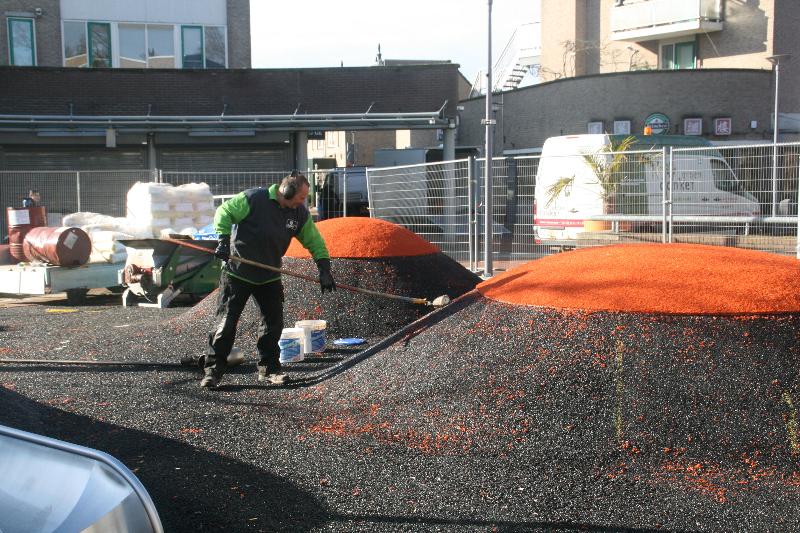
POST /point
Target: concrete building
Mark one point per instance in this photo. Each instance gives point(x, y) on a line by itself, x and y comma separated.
point(202, 34)
point(697, 67)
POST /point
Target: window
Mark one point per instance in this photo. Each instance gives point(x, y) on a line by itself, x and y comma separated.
point(192, 39)
point(203, 46)
point(160, 46)
point(215, 46)
point(132, 46)
point(99, 44)
point(724, 178)
point(678, 56)
point(21, 42)
point(75, 44)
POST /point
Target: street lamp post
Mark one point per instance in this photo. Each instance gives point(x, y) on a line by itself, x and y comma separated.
point(776, 61)
point(489, 123)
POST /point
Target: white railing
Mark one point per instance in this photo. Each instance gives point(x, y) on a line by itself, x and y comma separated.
point(521, 52)
point(655, 13)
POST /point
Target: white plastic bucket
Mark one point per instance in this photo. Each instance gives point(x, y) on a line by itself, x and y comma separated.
point(314, 335)
point(291, 345)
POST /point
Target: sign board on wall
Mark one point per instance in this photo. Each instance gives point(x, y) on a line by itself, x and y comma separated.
point(316, 135)
point(595, 127)
point(693, 126)
point(658, 122)
point(723, 126)
point(622, 127)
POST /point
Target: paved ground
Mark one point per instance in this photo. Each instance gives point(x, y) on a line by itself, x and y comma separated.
point(439, 432)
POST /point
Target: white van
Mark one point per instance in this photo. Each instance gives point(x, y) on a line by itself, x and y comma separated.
point(569, 195)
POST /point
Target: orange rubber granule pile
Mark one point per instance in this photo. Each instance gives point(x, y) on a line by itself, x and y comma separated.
point(360, 237)
point(678, 279)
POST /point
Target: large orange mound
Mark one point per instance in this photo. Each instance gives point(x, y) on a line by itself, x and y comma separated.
point(679, 279)
point(360, 237)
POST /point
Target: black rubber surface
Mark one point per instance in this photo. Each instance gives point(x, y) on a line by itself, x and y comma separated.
point(492, 418)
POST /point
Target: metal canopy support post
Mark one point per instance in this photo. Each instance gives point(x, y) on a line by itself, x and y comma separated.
point(489, 123)
point(78, 189)
point(300, 149)
point(449, 145)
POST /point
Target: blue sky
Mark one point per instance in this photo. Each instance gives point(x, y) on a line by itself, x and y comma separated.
point(320, 33)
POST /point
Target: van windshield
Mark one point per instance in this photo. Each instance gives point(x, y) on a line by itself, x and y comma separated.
point(724, 178)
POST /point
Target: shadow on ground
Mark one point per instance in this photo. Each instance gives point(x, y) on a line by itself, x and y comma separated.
point(193, 489)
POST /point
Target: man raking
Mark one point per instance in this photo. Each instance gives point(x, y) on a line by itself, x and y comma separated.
point(263, 222)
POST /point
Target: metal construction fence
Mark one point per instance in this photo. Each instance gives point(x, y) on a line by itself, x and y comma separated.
point(743, 196)
point(105, 192)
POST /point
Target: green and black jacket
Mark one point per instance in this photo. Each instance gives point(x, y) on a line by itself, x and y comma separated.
point(263, 230)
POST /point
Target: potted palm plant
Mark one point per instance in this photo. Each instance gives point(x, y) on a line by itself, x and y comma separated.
point(607, 168)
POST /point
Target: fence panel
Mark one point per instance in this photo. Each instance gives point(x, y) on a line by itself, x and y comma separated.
point(429, 199)
point(340, 192)
point(106, 192)
point(743, 196)
point(58, 192)
point(225, 183)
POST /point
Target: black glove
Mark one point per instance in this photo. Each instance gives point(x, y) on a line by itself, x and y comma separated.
point(223, 250)
point(326, 282)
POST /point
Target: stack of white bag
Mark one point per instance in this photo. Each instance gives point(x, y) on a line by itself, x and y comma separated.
point(148, 207)
point(163, 209)
point(104, 232)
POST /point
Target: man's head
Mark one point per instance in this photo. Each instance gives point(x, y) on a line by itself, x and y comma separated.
point(293, 190)
point(33, 194)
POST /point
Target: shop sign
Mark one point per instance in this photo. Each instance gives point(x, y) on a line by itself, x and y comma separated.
point(622, 127)
point(658, 122)
point(723, 126)
point(693, 126)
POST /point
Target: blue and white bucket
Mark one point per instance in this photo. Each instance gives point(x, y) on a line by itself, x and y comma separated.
point(291, 345)
point(314, 338)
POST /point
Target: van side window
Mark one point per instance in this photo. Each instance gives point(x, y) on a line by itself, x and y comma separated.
point(724, 178)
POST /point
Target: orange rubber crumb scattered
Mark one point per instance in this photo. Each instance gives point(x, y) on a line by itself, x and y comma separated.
point(361, 237)
point(679, 279)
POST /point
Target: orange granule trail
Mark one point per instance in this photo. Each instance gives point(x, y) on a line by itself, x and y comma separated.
point(362, 237)
point(679, 279)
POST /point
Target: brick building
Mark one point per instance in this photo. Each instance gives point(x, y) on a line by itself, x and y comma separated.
point(212, 120)
point(610, 65)
point(200, 34)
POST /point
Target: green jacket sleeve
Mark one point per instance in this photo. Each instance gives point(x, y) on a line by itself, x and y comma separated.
point(310, 238)
point(232, 211)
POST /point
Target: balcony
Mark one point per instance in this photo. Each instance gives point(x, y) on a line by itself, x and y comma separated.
point(664, 19)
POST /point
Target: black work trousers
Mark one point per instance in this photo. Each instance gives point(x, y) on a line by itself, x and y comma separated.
point(233, 295)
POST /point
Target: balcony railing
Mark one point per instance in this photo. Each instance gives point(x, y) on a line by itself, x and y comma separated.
point(659, 19)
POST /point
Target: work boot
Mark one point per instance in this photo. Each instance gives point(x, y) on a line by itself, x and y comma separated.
point(211, 380)
point(275, 377)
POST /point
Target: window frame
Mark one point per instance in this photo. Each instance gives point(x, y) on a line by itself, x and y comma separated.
point(90, 48)
point(202, 44)
point(121, 26)
point(32, 24)
point(675, 44)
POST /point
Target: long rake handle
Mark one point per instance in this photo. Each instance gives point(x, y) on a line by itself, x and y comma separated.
point(418, 301)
